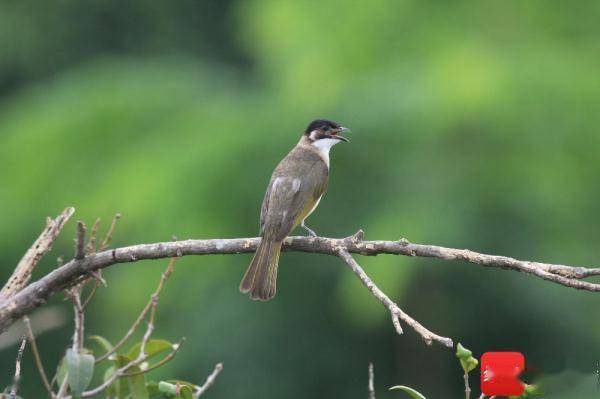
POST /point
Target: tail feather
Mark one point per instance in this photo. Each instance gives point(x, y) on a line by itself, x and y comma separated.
point(260, 279)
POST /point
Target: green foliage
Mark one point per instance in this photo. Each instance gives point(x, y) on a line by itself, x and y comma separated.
point(80, 369)
point(531, 391)
point(153, 348)
point(103, 342)
point(411, 392)
point(175, 389)
point(465, 356)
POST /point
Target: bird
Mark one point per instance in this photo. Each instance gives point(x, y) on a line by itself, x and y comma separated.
point(294, 192)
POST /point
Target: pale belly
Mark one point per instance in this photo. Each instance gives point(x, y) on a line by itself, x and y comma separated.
point(313, 208)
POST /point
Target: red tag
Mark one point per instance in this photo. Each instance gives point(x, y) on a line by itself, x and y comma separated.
point(500, 373)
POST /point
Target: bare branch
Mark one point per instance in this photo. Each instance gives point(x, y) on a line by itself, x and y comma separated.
point(37, 293)
point(90, 248)
point(79, 316)
point(109, 234)
point(210, 380)
point(371, 382)
point(80, 241)
point(36, 356)
point(166, 359)
point(40, 247)
point(17, 378)
point(143, 313)
point(143, 356)
point(395, 311)
point(467, 387)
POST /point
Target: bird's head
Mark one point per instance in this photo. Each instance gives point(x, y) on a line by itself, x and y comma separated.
point(322, 132)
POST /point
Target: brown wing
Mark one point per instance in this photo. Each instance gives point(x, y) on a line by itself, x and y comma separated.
point(297, 183)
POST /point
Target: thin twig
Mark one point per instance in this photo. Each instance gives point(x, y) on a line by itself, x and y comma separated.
point(143, 356)
point(17, 378)
point(90, 248)
point(395, 311)
point(467, 387)
point(79, 316)
point(371, 382)
point(97, 283)
point(40, 247)
point(36, 356)
point(210, 380)
point(109, 234)
point(160, 363)
point(165, 276)
point(62, 390)
point(80, 241)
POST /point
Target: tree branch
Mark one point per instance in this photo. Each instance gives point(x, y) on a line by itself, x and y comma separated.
point(37, 293)
point(371, 386)
point(395, 311)
point(210, 380)
point(80, 241)
point(17, 377)
point(40, 247)
point(36, 355)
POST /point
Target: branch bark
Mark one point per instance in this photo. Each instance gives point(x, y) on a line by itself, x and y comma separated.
point(395, 311)
point(40, 247)
point(37, 293)
point(210, 380)
point(371, 386)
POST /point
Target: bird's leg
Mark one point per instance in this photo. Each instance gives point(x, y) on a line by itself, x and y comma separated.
point(308, 229)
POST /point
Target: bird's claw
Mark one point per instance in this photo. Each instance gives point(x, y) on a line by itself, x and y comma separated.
point(311, 233)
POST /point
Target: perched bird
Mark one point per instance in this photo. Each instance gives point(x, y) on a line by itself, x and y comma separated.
point(294, 191)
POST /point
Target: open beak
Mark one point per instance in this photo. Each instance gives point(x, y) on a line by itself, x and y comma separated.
point(336, 134)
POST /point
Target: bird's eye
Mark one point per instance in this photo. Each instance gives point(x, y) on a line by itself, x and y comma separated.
point(326, 128)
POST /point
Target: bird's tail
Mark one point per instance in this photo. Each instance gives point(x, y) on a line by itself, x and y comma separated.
point(260, 279)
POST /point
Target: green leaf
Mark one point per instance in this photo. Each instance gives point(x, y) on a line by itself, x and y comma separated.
point(153, 391)
point(168, 388)
point(172, 387)
point(121, 360)
point(103, 342)
point(80, 368)
point(465, 356)
point(462, 352)
point(182, 383)
point(137, 384)
point(114, 389)
point(61, 371)
point(531, 391)
point(185, 392)
point(413, 393)
point(153, 347)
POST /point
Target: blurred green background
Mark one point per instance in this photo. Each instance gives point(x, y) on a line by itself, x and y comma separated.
point(474, 126)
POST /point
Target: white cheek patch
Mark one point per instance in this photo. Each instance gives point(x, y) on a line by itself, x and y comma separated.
point(313, 135)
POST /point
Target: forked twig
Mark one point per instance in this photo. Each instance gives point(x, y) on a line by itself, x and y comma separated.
point(165, 276)
point(395, 311)
point(40, 247)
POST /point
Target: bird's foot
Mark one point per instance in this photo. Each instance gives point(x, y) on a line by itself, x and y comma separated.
point(311, 233)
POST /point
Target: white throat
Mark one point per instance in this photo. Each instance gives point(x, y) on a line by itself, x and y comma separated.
point(323, 146)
